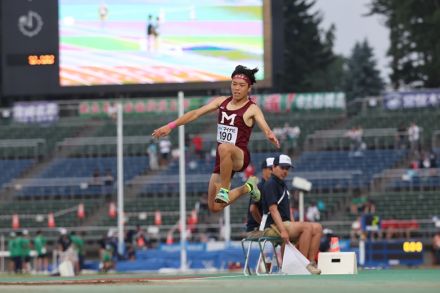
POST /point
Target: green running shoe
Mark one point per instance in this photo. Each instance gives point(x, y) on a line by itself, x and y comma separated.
point(222, 196)
point(254, 191)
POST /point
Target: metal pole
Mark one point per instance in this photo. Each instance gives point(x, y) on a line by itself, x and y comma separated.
point(120, 166)
point(182, 186)
point(2, 248)
point(301, 206)
point(227, 214)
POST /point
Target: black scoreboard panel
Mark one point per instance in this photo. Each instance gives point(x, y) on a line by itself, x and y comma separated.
point(29, 46)
point(52, 47)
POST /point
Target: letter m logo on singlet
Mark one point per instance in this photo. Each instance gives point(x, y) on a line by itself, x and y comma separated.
point(228, 118)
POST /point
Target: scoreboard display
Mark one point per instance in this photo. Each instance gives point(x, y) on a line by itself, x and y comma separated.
point(87, 46)
point(29, 47)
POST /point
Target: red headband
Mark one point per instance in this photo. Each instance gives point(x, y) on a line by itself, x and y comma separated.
point(244, 77)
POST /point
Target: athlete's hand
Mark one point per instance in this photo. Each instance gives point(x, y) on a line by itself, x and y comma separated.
point(161, 131)
point(273, 139)
point(285, 236)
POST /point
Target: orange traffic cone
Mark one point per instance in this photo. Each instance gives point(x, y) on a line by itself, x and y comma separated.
point(334, 244)
point(81, 214)
point(194, 217)
point(112, 210)
point(157, 218)
point(170, 238)
point(51, 220)
point(15, 221)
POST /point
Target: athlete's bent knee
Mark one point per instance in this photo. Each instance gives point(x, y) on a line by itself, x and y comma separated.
point(224, 148)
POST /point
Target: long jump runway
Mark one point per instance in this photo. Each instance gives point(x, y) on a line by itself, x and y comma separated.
point(368, 281)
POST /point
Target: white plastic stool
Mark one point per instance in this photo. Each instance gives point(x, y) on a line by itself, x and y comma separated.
point(337, 263)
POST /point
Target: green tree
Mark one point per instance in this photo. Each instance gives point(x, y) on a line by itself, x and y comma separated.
point(414, 40)
point(362, 78)
point(309, 62)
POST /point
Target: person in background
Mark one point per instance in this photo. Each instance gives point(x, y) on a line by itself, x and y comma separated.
point(276, 205)
point(42, 263)
point(255, 209)
point(26, 251)
point(414, 138)
point(313, 214)
point(152, 156)
point(107, 259)
point(14, 249)
point(165, 151)
point(436, 248)
point(78, 244)
point(197, 142)
point(66, 249)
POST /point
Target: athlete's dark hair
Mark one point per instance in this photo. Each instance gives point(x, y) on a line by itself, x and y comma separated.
point(250, 73)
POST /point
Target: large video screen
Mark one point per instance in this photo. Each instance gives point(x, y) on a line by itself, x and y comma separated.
point(54, 47)
point(104, 42)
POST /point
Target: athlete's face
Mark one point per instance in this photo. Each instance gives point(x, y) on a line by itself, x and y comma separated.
point(266, 173)
point(240, 88)
point(281, 172)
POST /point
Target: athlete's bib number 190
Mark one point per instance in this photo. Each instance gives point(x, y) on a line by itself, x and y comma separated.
point(226, 134)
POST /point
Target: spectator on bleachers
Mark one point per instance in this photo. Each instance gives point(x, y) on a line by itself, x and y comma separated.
point(356, 232)
point(291, 135)
point(197, 142)
point(402, 135)
point(357, 203)
point(108, 180)
point(165, 151)
point(425, 161)
point(436, 247)
point(96, 177)
point(414, 138)
point(433, 159)
point(140, 238)
point(355, 135)
point(112, 111)
point(42, 263)
point(321, 206)
point(152, 156)
point(369, 207)
point(313, 214)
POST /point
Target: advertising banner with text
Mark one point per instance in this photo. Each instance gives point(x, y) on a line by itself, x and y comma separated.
point(412, 99)
point(274, 103)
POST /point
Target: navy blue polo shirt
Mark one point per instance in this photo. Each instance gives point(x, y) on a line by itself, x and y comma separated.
point(273, 190)
point(252, 225)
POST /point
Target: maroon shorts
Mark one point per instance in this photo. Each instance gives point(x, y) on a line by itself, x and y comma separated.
point(246, 161)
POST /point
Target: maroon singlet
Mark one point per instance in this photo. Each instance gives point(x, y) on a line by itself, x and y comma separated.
point(232, 129)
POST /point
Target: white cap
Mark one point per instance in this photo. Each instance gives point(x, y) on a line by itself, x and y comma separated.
point(267, 163)
point(283, 161)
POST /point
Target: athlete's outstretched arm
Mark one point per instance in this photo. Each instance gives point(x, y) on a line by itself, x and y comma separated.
point(261, 121)
point(188, 117)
